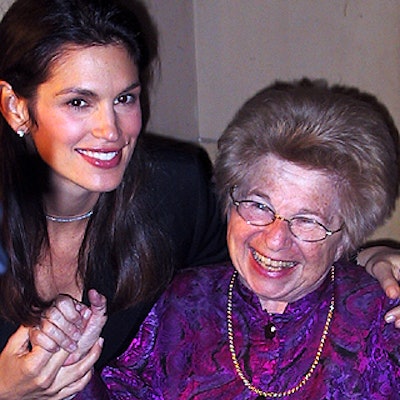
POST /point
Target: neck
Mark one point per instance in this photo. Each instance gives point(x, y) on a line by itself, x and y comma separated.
point(63, 204)
point(273, 307)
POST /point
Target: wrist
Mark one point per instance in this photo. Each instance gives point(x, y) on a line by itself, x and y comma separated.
point(355, 257)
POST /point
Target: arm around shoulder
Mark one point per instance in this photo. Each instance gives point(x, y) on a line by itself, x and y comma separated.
point(383, 263)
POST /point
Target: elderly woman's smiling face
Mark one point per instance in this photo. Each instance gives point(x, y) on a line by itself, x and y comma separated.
point(272, 262)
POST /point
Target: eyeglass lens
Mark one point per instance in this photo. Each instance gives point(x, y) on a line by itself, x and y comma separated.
point(261, 215)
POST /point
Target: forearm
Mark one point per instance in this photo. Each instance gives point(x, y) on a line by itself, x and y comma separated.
point(368, 256)
point(383, 263)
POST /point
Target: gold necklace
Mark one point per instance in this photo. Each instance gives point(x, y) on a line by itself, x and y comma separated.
point(314, 364)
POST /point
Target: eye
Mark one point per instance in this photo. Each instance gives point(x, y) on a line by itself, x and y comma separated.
point(256, 207)
point(259, 206)
point(77, 103)
point(305, 223)
point(125, 99)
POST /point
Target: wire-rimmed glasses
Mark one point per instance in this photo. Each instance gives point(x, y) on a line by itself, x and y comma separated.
point(260, 214)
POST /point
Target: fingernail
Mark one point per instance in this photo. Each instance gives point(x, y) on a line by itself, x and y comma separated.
point(101, 341)
point(87, 314)
point(390, 318)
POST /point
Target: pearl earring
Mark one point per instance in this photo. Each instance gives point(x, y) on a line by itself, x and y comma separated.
point(21, 133)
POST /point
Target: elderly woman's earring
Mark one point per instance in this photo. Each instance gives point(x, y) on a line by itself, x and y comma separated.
point(20, 133)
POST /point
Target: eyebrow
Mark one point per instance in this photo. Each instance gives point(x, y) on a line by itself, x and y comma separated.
point(90, 93)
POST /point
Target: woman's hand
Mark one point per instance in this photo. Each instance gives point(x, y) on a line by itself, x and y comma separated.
point(71, 326)
point(55, 359)
point(35, 373)
point(383, 263)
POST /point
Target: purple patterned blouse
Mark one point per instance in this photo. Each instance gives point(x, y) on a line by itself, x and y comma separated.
point(181, 351)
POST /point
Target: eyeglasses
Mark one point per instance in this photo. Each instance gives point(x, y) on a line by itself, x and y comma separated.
point(259, 214)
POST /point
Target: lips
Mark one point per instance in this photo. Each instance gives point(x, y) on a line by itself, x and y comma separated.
point(272, 265)
point(101, 159)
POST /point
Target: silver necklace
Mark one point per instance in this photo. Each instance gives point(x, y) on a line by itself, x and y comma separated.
point(69, 219)
point(306, 377)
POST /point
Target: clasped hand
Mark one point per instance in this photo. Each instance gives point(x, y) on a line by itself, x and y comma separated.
point(54, 359)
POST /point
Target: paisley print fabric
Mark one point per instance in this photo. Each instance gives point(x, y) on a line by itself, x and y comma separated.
point(181, 351)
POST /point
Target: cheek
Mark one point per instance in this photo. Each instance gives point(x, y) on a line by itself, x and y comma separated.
point(321, 257)
point(238, 234)
point(131, 123)
point(59, 128)
point(48, 141)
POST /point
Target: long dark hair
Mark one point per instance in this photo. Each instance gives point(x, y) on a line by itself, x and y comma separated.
point(121, 241)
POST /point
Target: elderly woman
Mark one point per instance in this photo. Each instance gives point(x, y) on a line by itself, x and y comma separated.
point(305, 173)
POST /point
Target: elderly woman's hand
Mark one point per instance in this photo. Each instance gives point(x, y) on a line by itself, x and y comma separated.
point(95, 321)
point(61, 325)
point(383, 263)
point(71, 326)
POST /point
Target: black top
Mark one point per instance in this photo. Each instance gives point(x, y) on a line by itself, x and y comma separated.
point(185, 206)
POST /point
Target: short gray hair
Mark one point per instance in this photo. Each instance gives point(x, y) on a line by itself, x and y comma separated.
point(346, 133)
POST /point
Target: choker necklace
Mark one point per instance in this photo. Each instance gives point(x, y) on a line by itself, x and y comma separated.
point(69, 219)
point(306, 377)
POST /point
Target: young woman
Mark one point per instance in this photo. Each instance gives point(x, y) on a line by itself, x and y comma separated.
point(74, 217)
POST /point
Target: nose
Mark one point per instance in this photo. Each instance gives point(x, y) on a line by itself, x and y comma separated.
point(277, 235)
point(106, 124)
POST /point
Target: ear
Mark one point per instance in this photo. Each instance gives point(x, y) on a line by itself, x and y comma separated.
point(13, 108)
point(339, 251)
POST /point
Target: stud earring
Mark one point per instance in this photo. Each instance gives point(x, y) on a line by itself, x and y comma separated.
point(20, 133)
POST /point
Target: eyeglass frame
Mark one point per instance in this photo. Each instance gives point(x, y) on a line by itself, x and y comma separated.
point(236, 203)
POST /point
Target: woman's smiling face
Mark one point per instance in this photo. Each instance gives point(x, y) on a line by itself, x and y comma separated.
point(272, 262)
point(88, 117)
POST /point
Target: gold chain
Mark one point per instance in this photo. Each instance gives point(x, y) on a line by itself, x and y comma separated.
point(314, 364)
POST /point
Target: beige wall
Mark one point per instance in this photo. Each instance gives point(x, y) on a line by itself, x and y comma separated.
point(216, 53)
point(4, 4)
point(241, 46)
point(174, 99)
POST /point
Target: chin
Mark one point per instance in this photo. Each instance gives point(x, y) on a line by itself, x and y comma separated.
point(105, 185)
point(108, 188)
point(101, 187)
